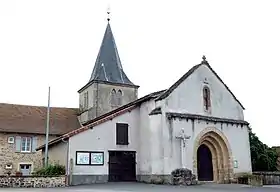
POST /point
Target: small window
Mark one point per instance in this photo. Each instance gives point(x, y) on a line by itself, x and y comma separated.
point(113, 99)
point(86, 100)
point(11, 140)
point(122, 134)
point(119, 98)
point(26, 144)
point(206, 98)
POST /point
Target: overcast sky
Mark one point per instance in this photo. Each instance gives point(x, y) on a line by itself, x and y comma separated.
point(56, 42)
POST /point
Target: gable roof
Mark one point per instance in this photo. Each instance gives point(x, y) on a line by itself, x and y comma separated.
point(32, 119)
point(103, 118)
point(186, 75)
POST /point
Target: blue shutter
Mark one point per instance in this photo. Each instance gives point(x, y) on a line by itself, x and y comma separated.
point(18, 143)
point(34, 144)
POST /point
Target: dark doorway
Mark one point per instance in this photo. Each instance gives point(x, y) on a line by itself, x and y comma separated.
point(122, 166)
point(204, 164)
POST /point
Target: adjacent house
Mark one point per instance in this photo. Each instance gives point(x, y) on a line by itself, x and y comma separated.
point(22, 130)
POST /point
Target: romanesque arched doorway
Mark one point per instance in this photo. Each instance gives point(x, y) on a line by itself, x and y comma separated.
point(204, 164)
point(212, 157)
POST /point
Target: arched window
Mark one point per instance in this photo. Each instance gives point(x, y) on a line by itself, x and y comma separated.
point(206, 98)
point(113, 98)
point(119, 98)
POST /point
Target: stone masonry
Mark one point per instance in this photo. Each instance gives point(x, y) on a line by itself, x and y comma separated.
point(32, 182)
point(8, 154)
point(99, 95)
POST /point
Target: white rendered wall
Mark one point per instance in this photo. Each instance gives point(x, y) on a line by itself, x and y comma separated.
point(103, 138)
point(188, 98)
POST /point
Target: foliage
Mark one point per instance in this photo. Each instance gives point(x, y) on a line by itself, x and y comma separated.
point(263, 157)
point(51, 170)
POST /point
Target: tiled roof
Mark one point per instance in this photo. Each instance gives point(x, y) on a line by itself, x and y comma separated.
point(32, 119)
point(103, 118)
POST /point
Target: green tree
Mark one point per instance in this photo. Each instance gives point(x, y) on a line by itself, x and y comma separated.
point(263, 157)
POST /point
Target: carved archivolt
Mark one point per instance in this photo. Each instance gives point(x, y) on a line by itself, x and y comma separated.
point(221, 152)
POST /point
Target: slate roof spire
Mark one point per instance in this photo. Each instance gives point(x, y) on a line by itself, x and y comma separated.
point(108, 65)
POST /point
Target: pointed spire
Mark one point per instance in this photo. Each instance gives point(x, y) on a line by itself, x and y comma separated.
point(204, 61)
point(108, 65)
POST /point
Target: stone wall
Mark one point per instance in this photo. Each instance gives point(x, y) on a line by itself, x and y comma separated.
point(278, 153)
point(269, 178)
point(32, 181)
point(8, 154)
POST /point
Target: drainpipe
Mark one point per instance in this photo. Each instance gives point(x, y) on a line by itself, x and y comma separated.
point(67, 159)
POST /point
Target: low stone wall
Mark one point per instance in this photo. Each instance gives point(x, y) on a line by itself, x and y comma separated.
point(32, 181)
point(269, 178)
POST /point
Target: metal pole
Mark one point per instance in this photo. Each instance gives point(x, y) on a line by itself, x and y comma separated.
point(47, 129)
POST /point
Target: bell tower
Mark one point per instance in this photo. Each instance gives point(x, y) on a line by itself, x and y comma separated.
point(108, 87)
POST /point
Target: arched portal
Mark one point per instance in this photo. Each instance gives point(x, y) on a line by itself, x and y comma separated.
point(212, 157)
point(204, 164)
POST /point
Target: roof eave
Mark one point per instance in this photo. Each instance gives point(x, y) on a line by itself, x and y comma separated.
point(106, 82)
point(110, 115)
point(51, 143)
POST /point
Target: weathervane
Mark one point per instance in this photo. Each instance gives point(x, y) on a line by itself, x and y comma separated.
point(108, 13)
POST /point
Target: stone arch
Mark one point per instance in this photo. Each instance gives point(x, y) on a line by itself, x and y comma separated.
point(221, 152)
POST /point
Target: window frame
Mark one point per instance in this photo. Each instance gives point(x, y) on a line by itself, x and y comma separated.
point(206, 95)
point(26, 163)
point(30, 145)
point(126, 140)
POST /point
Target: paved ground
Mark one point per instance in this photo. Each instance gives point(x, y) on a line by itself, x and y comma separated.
point(138, 187)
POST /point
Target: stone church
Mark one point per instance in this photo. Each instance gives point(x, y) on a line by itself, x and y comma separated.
point(196, 123)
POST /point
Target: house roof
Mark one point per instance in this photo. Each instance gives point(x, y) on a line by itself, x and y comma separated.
point(108, 65)
point(186, 75)
point(32, 119)
point(103, 118)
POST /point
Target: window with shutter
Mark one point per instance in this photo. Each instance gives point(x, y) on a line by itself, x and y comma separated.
point(122, 134)
point(26, 144)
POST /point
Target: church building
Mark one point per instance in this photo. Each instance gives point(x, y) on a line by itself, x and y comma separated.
point(197, 123)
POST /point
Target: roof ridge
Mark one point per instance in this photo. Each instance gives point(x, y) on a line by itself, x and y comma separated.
point(41, 106)
point(188, 73)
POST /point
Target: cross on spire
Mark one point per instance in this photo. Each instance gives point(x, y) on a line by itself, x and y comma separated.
point(108, 67)
point(108, 13)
